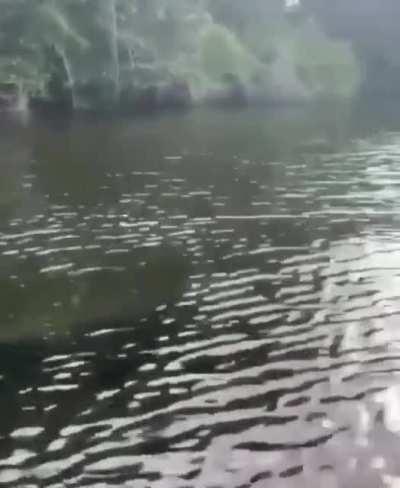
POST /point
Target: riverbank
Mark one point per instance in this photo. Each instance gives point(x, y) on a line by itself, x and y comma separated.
point(94, 99)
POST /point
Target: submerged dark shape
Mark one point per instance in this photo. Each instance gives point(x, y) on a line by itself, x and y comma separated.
point(110, 292)
point(122, 298)
point(108, 309)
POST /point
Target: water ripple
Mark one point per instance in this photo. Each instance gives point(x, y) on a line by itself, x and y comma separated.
point(199, 327)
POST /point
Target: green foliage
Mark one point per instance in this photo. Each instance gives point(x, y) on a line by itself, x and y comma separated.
point(104, 46)
point(372, 28)
point(223, 53)
point(326, 66)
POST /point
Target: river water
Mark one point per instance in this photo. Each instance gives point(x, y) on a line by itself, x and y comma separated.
point(206, 299)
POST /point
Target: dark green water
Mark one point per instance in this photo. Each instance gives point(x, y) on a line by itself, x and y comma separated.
point(207, 299)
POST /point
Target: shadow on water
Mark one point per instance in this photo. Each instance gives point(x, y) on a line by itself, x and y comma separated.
point(198, 299)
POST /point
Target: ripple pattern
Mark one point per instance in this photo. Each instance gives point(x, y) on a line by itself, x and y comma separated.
point(272, 361)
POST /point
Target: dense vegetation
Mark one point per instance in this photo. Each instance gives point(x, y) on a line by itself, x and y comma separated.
point(95, 53)
point(372, 28)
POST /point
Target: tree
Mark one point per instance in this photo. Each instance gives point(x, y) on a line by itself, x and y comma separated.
point(97, 48)
point(372, 27)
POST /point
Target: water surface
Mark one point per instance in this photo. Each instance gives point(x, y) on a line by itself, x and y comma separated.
point(199, 300)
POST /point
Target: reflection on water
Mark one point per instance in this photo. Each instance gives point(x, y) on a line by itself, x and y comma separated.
point(201, 300)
